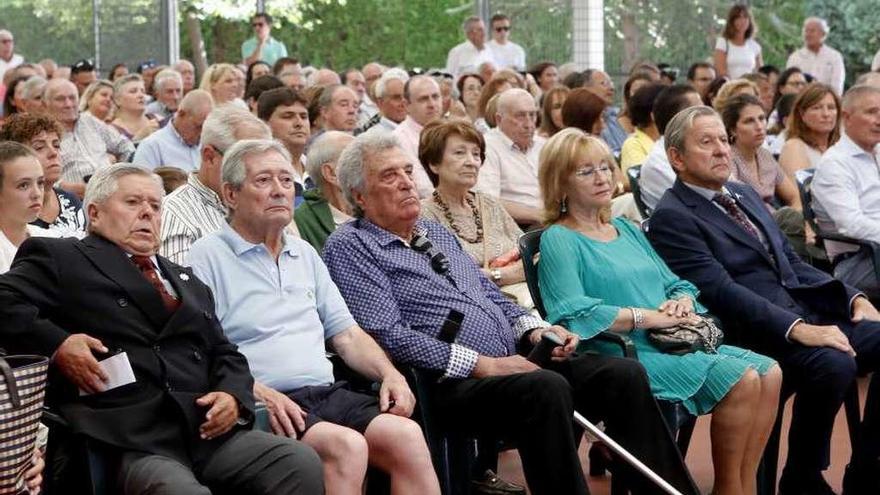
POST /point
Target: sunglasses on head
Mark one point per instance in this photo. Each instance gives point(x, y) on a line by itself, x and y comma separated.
point(83, 65)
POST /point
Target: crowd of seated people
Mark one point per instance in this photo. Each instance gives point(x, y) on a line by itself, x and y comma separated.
point(237, 236)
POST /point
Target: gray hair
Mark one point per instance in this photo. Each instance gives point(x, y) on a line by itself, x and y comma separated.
point(224, 122)
point(105, 182)
point(855, 94)
point(469, 22)
point(196, 100)
point(325, 149)
point(390, 74)
point(818, 20)
point(506, 97)
point(33, 87)
point(678, 127)
point(164, 76)
point(122, 81)
point(350, 166)
point(869, 78)
point(233, 170)
point(326, 98)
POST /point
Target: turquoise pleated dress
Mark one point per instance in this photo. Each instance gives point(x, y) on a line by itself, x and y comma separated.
point(584, 283)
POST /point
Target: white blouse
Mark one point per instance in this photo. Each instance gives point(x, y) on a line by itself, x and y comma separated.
point(741, 60)
point(8, 250)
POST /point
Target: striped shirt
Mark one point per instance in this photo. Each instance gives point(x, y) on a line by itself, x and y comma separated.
point(188, 214)
point(85, 149)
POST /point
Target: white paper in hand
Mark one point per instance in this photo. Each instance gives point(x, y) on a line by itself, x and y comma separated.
point(118, 370)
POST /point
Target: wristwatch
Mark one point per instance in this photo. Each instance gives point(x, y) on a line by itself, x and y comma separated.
point(496, 275)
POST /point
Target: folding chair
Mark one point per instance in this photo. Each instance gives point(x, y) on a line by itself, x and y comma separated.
point(633, 173)
point(680, 422)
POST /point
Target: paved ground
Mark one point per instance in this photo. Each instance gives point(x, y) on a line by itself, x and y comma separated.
point(699, 458)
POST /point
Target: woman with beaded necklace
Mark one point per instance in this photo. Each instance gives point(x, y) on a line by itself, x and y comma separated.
point(452, 152)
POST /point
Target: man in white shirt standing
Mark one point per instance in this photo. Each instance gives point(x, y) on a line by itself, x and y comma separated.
point(508, 55)
point(846, 189)
point(467, 56)
point(510, 171)
point(818, 59)
point(8, 58)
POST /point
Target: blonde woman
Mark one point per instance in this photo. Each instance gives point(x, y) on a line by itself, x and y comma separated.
point(225, 83)
point(98, 100)
point(733, 88)
point(597, 274)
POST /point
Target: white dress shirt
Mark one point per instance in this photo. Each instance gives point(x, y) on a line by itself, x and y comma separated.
point(656, 175)
point(826, 65)
point(14, 62)
point(466, 58)
point(408, 134)
point(85, 150)
point(510, 173)
point(509, 55)
point(846, 194)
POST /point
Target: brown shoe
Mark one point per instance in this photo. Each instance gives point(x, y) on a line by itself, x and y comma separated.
point(491, 484)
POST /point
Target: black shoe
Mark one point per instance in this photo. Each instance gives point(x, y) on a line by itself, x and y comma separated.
point(491, 484)
point(861, 481)
point(802, 484)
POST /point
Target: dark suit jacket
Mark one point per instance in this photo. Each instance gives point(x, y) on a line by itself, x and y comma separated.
point(57, 287)
point(757, 294)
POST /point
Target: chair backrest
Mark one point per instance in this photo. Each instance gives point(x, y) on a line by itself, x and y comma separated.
point(633, 173)
point(529, 250)
point(804, 179)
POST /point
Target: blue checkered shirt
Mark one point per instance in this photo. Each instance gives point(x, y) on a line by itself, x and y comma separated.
point(395, 295)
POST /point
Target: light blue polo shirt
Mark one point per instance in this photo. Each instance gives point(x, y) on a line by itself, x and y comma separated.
point(272, 50)
point(280, 314)
point(165, 148)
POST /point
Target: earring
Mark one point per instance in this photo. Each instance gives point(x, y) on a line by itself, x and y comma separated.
point(563, 205)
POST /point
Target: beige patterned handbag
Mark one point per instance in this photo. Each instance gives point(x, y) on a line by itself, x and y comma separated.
point(22, 391)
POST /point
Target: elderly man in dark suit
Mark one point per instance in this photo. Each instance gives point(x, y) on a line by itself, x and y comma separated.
point(181, 425)
point(719, 235)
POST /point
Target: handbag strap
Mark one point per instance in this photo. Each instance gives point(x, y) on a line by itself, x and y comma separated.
point(11, 385)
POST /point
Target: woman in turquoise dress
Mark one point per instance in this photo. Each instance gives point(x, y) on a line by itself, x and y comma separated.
point(598, 274)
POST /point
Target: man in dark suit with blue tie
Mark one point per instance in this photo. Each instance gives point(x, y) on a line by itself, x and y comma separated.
point(720, 236)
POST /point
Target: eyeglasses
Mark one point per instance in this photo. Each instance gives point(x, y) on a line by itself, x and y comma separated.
point(502, 28)
point(8, 40)
point(590, 172)
point(439, 261)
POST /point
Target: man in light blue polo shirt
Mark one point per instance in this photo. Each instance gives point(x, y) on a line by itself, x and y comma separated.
point(275, 300)
point(262, 46)
point(177, 144)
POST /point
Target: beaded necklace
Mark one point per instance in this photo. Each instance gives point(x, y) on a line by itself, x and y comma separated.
point(478, 219)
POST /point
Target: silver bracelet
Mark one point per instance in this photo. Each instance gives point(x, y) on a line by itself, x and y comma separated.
point(638, 317)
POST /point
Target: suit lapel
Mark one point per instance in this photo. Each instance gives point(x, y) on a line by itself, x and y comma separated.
point(182, 281)
point(110, 260)
point(707, 210)
point(756, 213)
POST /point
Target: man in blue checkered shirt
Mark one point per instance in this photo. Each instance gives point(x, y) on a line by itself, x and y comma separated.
point(404, 278)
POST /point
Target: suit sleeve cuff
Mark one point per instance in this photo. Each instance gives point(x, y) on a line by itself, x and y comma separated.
point(791, 327)
point(461, 362)
point(853, 300)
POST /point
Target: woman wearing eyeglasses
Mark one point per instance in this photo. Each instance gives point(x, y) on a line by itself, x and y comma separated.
point(600, 274)
point(452, 153)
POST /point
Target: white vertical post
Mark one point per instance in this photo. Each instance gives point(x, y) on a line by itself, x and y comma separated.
point(171, 30)
point(96, 32)
point(588, 39)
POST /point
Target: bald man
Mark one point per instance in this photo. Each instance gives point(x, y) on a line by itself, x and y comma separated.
point(177, 145)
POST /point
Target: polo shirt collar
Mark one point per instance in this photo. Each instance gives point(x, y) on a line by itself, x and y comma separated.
point(239, 245)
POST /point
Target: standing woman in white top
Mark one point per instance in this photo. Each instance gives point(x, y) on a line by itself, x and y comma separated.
point(736, 51)
point(21, 198)
point(813, 128)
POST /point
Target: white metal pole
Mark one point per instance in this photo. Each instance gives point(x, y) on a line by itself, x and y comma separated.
point(629, 458)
